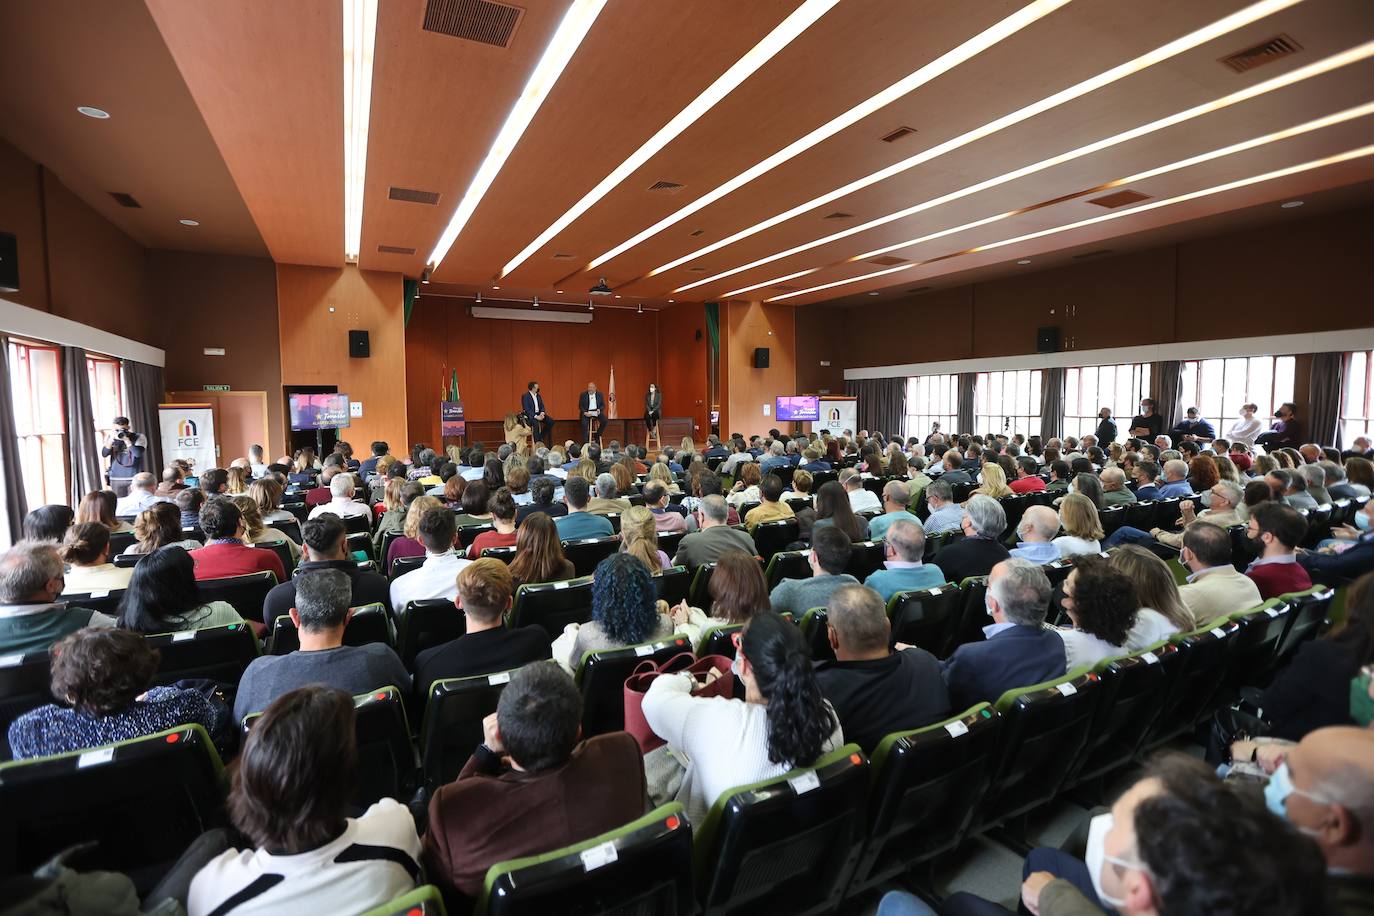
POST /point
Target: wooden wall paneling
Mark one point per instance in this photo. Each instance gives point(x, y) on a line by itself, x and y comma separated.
point(755, 324)
point(21, 214)
point(682, 359)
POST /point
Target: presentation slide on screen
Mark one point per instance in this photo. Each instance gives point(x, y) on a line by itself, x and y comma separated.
point(799, 409)
point(318, 411)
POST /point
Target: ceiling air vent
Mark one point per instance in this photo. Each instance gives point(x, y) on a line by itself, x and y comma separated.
point(696, 270)
point(410, 195)
point(920, 289)
point(898, 134)
point(1119, 199)
point(838, 215)
point(395, 249)
point(886, 260)
point(1099, 253)
point(665, 187)
point(1262, 53)
point(126, 200)
point(696, 232)
point(562, 256)
point(473, 20)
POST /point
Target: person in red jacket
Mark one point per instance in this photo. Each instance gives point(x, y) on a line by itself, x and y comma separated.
point(225, 553)
point(1277, 529)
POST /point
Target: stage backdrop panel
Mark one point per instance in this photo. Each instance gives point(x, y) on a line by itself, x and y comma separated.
point(496, 359)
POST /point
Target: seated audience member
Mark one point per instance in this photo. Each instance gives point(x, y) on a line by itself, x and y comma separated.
point(738, 591)
point(668, 520)
point(225, 553)
point(639, 539)
point(541, 502)
point(625, 612)
point(1223, 501)
point(624, 479)
point(1162, 612)
point(539, 554)
point(1082, 529)
point(266, 494)
point(1175, 480)
point(321, 613)
point(163, 597)
point(607, 499)
point(1359, 474)
point(533, 785)
point(104, 677)
point(746, 488)
point(239, 478)
point(782, 722)
point(1276, 530)
point(260, 535)
point(1028, 479)
point(1102, 606)
point(1337, 486)
point(874, 690)
point(739, 457)
point(1037, 530)
point(326, 547)
point(954, 472)
point(503, 511)
point(159, 526)
point(828, 556)
point(579, 523)
point(105, 505)
point(775, 457)
point(1169, 847)
point(1294, 491)
point(770, 509)
point(48, 523)
point(214, 482)
point(86, 551)
point(944, 515)
point(1060, 473)
point(994, 482)
point(396, 501)
point(979, 550)
point(437, 576)
point(1146, 477)
point(903, 570)
point(714, 538)
point(896, 495)
point(369, 465)
point(341, 502)
point(1315, 477)
point(860, 498)
point(171, 482)
point(473, 510)
point(487, 646)
point(707, 484)
point(1349, 562)
point(290, 796)
point(1019, 650)
point(1214, 587)
point(1114, 492)
point(801, 486)
point(189, 503)
point(663, 474)
point(408, 544)
point(832, 508)
point(31, 579)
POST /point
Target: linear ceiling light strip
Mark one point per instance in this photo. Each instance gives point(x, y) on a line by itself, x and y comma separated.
point(1153, 205)
point(942, 64)
point(359, 42)
point(574, 27)
point(789, 29)
point(1172, 49)
point(1326, 65)
point(1340, 117)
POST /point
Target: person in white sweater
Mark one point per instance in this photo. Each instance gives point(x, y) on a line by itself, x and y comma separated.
point(783, 721)
point(1100, 601)
point(1247, 427)
point(1082, 527)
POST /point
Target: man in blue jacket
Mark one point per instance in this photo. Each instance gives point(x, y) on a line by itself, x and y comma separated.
point(1019, 649)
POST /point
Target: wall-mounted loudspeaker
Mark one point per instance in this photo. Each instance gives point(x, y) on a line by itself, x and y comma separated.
point(760, 357)
point(1046, 340)
point(9, 263)
point(359, 347)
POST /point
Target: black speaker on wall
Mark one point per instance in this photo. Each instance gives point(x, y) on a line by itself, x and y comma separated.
point(359, 347)
point(9, 263)
point(1046, 340)
point(760, 357)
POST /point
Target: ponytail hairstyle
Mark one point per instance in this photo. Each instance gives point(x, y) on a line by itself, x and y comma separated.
point(85, 543)
point(800, 722)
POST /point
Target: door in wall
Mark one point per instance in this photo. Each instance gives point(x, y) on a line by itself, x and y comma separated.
point(240, 420)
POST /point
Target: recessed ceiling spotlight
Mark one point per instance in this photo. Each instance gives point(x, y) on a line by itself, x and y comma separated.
point(99, 114)
point(1024, 261)
point(617, 297)
point(496, 287)
point(670, 301)
point(1289, 205)
point(189, 222)
point(874, 293)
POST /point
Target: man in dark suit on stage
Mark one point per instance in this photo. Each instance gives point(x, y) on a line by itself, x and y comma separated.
point(532, 403)
point(591, 407)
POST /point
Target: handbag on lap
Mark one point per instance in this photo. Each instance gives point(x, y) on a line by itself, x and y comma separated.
point(637, 684)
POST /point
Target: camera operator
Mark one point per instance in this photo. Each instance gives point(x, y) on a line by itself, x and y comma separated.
point(125, 449)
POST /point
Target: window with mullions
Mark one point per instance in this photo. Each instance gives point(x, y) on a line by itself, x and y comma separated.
point(1218, 387)
point(1007, 402)
point(1357, 401)
point(36, 386)
point(931, 399)
point(1088, 389)
point(107, 394)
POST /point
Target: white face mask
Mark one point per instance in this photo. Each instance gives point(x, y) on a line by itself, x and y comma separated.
point(1096, 858)
point(1206, 499)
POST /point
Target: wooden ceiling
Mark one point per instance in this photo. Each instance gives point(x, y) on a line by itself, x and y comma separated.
point(264, 81)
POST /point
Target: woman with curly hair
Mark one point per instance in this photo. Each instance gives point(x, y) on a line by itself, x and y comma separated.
point(782, 722)
point(1101, 603)
point(639, 539)
point(626, 611)
point(539, 553)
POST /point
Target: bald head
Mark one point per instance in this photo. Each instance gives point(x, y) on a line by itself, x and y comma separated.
point(1333, 772)
point(1038, 524)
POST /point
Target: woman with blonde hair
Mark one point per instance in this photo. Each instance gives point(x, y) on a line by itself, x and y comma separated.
point(687, 445)
point(1227, 470)
point(99, 506)
point(266, 495)
point(1083, 530)
point(255, 532)
point(586, 469)
point(239, 478)
point(1157, 591)
point(660, 473)
point(994, 482)
point(517, 433)
point(639, 538)
point(801, 485)
point(408, 544)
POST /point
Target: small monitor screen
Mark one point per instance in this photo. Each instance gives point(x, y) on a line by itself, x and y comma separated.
point(318, 411)
point(799, 408)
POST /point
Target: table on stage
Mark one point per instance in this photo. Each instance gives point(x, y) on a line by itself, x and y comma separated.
point(671, 431)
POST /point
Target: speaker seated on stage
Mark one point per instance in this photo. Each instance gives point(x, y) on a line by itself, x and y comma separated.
point(535, 410)
point(591, 407)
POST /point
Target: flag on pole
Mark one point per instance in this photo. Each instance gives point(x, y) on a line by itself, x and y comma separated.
point(610, 397)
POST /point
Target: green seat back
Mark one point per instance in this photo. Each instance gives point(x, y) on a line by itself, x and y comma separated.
point(673, 585)
point(586, 553)
point(424, 624)
point(452, 727)
point(772, 537)
point(813, 626)
point(423, 901)
point(25, 684)
point(1202, 666)
point(787, 564)
point(1311, 610)
point(865, 558)
point(369, 623)
point(1134, 688)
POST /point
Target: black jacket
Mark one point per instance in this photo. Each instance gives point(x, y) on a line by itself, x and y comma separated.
point(368, 588)
point(967, 557)
point(1313, 691)
point(1106, 432)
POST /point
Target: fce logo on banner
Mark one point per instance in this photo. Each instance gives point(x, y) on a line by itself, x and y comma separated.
point(186, 435)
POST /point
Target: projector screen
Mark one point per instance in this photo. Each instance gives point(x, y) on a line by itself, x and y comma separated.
point(318, 411)
point(799, 408)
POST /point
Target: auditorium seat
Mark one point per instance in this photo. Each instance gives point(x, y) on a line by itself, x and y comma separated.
point(927, 783)
point(674, 584)
point(1254, 649)
point(1133, 688)
point(926, 617)
point(772, 537)
point(359, 544)
point(1141, 514)
point(821, 478)
point(586, 553)
point(291, 529)
point(718, 639)
point(424, 624)
point(614, 519)
point(402, 565)
point(668, 541)
point(283, 553)
point(120, 798)
point(423, 901)
point(788, 844)
point(1111, 518)
point(504, 554)
point(1167, 513)
point(746, 507)
point(452, 724)
point(552, 605)
point(1311, 608)
point(813, 628)
point(974, 615)
point(127, 560)
point(25, 684)
point(643, 867)
point(106, 602)
point(1202, 665)
point(938, 542)
point(700, 594)
point(119, 540)
point(247, 593)
point(601, 677)
point(1318, 526)
point(788, 564)
point(369, 623)
point(215, 653)
point(388, 538)
point(358, 524)
point(468, 533)
point(798, 503)
point(865, 558)
point(1014, 507)
point(1242, 548)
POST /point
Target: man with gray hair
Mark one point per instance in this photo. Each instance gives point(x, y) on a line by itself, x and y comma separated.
point(606, 502)
point(1337, 487)
point(775, 458)
point(715, 537)
point(31, 620)
point(896, 494)
point(944, 514)
point(1315, 476)
point(1114, 492)
point(1222, 502)
point(861, 499)
point(983, 523)
point(1019, 649)
point(875, 691)
point(341, 501)
point(903, 570)
point(142, 494)
point(321, 613)
point(1038, 528)
point(1175, 479)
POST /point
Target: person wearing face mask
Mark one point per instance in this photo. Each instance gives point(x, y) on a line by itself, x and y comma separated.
point(1037, 530)
point(1276, 529)
point(1147, 424)
point(1286, 431)
point(1353, 561)
point(980, 548)
point(1246, 427)
point(1222, 501)
point(944, 514)
point(1214, 587)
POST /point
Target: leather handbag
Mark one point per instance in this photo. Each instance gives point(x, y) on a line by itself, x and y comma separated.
point(637, 684)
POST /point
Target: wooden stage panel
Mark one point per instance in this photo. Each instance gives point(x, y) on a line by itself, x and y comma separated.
point(672, 430)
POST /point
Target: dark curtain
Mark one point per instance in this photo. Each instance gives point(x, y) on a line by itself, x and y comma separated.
point(83, 445)
point(11, 473)
point(881, 406)
point(1167, 381)
point(143, 391)
point(965, 403)
point(1324, 398)
point(1051, 403)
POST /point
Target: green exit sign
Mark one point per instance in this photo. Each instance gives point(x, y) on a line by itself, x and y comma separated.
point(214, 388)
